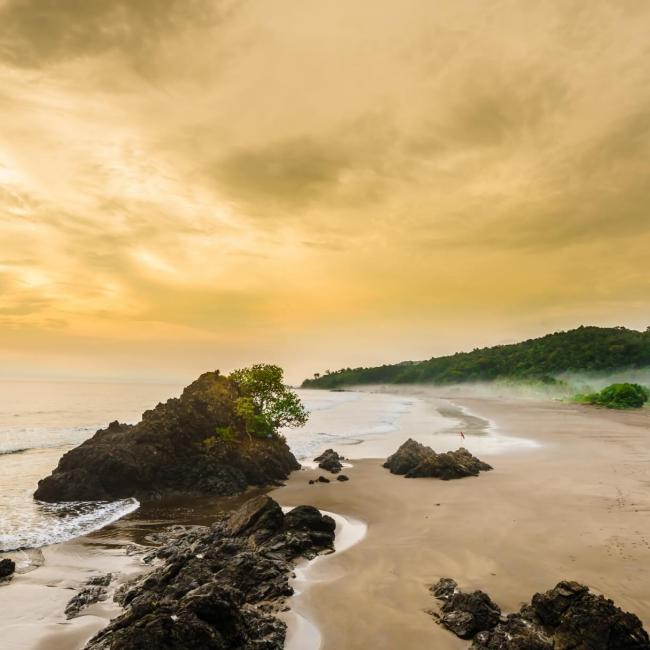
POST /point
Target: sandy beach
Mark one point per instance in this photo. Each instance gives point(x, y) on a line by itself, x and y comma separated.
point(578, 507)
point(575, 504)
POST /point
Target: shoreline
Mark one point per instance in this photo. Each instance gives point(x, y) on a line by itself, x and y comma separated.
point(572, 507)
point(575, 508)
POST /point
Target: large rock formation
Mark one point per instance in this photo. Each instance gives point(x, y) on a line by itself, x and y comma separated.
point(418, 461)
point(175, 448)
point(567, 617)
point(220, 587)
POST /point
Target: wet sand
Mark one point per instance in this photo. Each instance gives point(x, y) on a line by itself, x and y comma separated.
point(578, 507)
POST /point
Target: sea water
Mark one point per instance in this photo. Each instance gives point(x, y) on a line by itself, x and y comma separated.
point(40, 421)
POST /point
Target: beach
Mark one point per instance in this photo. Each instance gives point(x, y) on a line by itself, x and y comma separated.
point(568, 499)
point(577, 507)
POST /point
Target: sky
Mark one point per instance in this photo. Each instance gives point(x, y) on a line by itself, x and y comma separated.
point(197, 184)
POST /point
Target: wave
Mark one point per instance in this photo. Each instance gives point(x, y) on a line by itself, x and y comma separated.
point(60, 522)
point(17, 450)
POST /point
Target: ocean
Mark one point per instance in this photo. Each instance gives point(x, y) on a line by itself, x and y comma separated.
point(40, 421)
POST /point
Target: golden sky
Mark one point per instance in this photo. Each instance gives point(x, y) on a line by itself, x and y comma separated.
point(191, 184)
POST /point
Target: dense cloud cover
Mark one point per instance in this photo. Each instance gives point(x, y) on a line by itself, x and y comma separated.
point(316, 183)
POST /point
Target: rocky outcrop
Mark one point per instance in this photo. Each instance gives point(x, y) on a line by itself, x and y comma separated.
point(220, 587)
point(330, 461)
point(7, 568)
point(567, 617)
point(414, 460)
point(175, 449)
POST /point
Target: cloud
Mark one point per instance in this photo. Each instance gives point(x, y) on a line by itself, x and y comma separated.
point(36, 33)
point(276, 177)
point(290, 173)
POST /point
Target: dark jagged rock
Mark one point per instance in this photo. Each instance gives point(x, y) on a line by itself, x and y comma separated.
point(330, 461)
point(101, 581)
point(220, 588)
point(94, 591)
point(567, 617)
point(174, 449)
point(323, 479)
point(418, 461)
point(342, 477)
point(465, 614)
point(7, 568)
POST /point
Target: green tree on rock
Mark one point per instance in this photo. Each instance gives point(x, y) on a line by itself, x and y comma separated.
point(265, 404)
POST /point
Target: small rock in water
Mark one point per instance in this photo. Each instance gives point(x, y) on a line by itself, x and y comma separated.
point(342, 477)
point(330, 460)
point(7, 568)
point(322, 479)
point(311, 481)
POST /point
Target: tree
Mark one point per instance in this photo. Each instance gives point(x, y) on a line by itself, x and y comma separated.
point(265, 404)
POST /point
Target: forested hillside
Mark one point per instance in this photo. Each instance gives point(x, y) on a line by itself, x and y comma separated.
point(585, 349)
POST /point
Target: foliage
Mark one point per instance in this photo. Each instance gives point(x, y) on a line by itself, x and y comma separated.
point(265, 404)
point(579, 350)
point(617, 396)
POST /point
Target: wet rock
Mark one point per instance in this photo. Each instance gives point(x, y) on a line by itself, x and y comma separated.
point(323, 479)
point(567, 617)
point(172, 450)
point(415, 460)
point(465, 614)
point(101, 581)
point(330, 461)
point(85, 597)
point(444, 589)
point(342, 477)
point(311, 481)
point(7, 568)
point(220, 588)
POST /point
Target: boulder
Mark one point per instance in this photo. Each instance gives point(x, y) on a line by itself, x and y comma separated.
point(7, 568)
point(220, 588)
point(323, 479)
point(330, 460)
point(415, 460)
point(465, 614)
point(567, 617)
point(342, 478)
point(175, 449)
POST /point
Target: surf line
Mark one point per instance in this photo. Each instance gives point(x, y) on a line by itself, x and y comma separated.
point(302, 634)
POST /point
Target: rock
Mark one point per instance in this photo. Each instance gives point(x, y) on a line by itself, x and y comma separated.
point(172, 450)
point(465, 614)
point(311, 481)
point(101, 581)
point(567, 617)
point(342, 477)
point(330, 461)
point(323, 479)
point(418, 461)
point(444, 589)
point(220, 588)
point(85, 597)
point(7, 568)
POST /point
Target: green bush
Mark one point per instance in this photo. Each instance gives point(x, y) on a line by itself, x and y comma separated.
point(617, 396)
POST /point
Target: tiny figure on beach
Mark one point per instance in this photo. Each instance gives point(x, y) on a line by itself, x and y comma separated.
point(462, 435)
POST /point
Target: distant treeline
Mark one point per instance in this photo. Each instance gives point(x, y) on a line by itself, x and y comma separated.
point(585, 349)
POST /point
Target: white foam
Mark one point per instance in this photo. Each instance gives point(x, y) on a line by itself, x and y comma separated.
point(302, 634)
point(60, 522)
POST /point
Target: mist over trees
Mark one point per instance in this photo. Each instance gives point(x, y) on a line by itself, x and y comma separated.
point(585, 349)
